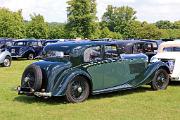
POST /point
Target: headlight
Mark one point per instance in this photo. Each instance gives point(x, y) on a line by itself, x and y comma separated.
point(154, 59)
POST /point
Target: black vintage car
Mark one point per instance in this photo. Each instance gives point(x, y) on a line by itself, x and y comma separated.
point(26, 48)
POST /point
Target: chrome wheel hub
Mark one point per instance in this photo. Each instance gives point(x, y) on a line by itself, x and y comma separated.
point(80, 89)
point(6, 62)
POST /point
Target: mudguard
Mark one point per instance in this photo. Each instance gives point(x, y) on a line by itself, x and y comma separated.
point(3, 55)
point(147, 76)
point(60, 86)
point(26, 51)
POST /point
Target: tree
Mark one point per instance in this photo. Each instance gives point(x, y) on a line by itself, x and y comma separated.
point(11, 24)
point(164, 24)
point(117, 18)
point(177, 24)
point(132, 30)
point(150, 31)
point(106, 33)
point(81, 18)
point(37, 28)
point(56, 30)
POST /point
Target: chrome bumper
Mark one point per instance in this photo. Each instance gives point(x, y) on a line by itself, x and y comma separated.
point(30, 92)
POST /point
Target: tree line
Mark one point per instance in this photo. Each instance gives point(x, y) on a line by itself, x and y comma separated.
point(82, 22)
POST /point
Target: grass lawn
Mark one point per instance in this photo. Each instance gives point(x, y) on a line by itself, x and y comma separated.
point(139, 104)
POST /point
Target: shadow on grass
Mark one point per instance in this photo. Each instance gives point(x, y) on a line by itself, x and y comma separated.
point(62, 100)
point(22, 59)
point(121, 93)
point(32, 99)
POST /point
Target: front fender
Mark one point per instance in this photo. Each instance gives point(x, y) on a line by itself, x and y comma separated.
point(3, 55)
point(26, 51)
point(61, 85)
point(148, 74)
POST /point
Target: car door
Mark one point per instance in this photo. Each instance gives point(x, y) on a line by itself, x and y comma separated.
point(37, 46)
point(116, 71)
point(94, 64)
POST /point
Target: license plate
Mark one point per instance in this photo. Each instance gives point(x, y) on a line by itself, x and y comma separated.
point(13, 51)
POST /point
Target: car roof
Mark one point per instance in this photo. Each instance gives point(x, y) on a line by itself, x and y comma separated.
point(84, 43)
point(157, 41)
point(168, 44)
point(26, 40)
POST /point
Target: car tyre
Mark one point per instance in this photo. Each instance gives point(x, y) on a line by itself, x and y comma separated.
point(77, 90)
point(30, 56)
point(160, 80)
point(7, 61)
point(32, 77)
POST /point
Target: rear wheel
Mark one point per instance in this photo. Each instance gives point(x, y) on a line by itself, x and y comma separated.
point(7, 61)
point(32, 77)
point(160, 80)
point(30, 56)
point(77, 90)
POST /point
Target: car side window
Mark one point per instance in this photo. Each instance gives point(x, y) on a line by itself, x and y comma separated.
point(19, 43)
point(110, 51)
point(138, 48)
point(33, 43)
point(92, 54)
point(147, 47)
point(39, 43)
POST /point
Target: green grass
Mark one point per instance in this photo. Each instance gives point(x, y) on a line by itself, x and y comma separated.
point(139, 104)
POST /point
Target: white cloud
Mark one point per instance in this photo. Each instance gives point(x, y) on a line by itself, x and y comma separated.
point(55, 10)
point(52, 10)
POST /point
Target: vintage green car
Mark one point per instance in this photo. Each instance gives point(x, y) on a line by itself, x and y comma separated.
point(77, 69)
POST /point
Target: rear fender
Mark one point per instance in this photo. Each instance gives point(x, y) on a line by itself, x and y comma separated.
point(60, 88)
point(25, 53)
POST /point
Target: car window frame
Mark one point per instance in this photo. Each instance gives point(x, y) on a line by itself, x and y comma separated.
point(118, 55)
point(100, 55)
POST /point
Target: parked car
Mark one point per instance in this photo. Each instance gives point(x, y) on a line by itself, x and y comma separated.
point(5, 57)
point(77, 69)
point(169, 52)
point(26, 49)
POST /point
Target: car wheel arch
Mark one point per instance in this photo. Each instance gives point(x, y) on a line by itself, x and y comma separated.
point(165, 68)
point(77, 74)
point(28, 52)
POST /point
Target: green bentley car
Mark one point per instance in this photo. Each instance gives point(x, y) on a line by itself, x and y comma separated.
point(77, 69)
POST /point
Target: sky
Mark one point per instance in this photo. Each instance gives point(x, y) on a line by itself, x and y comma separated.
point(55, 10)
